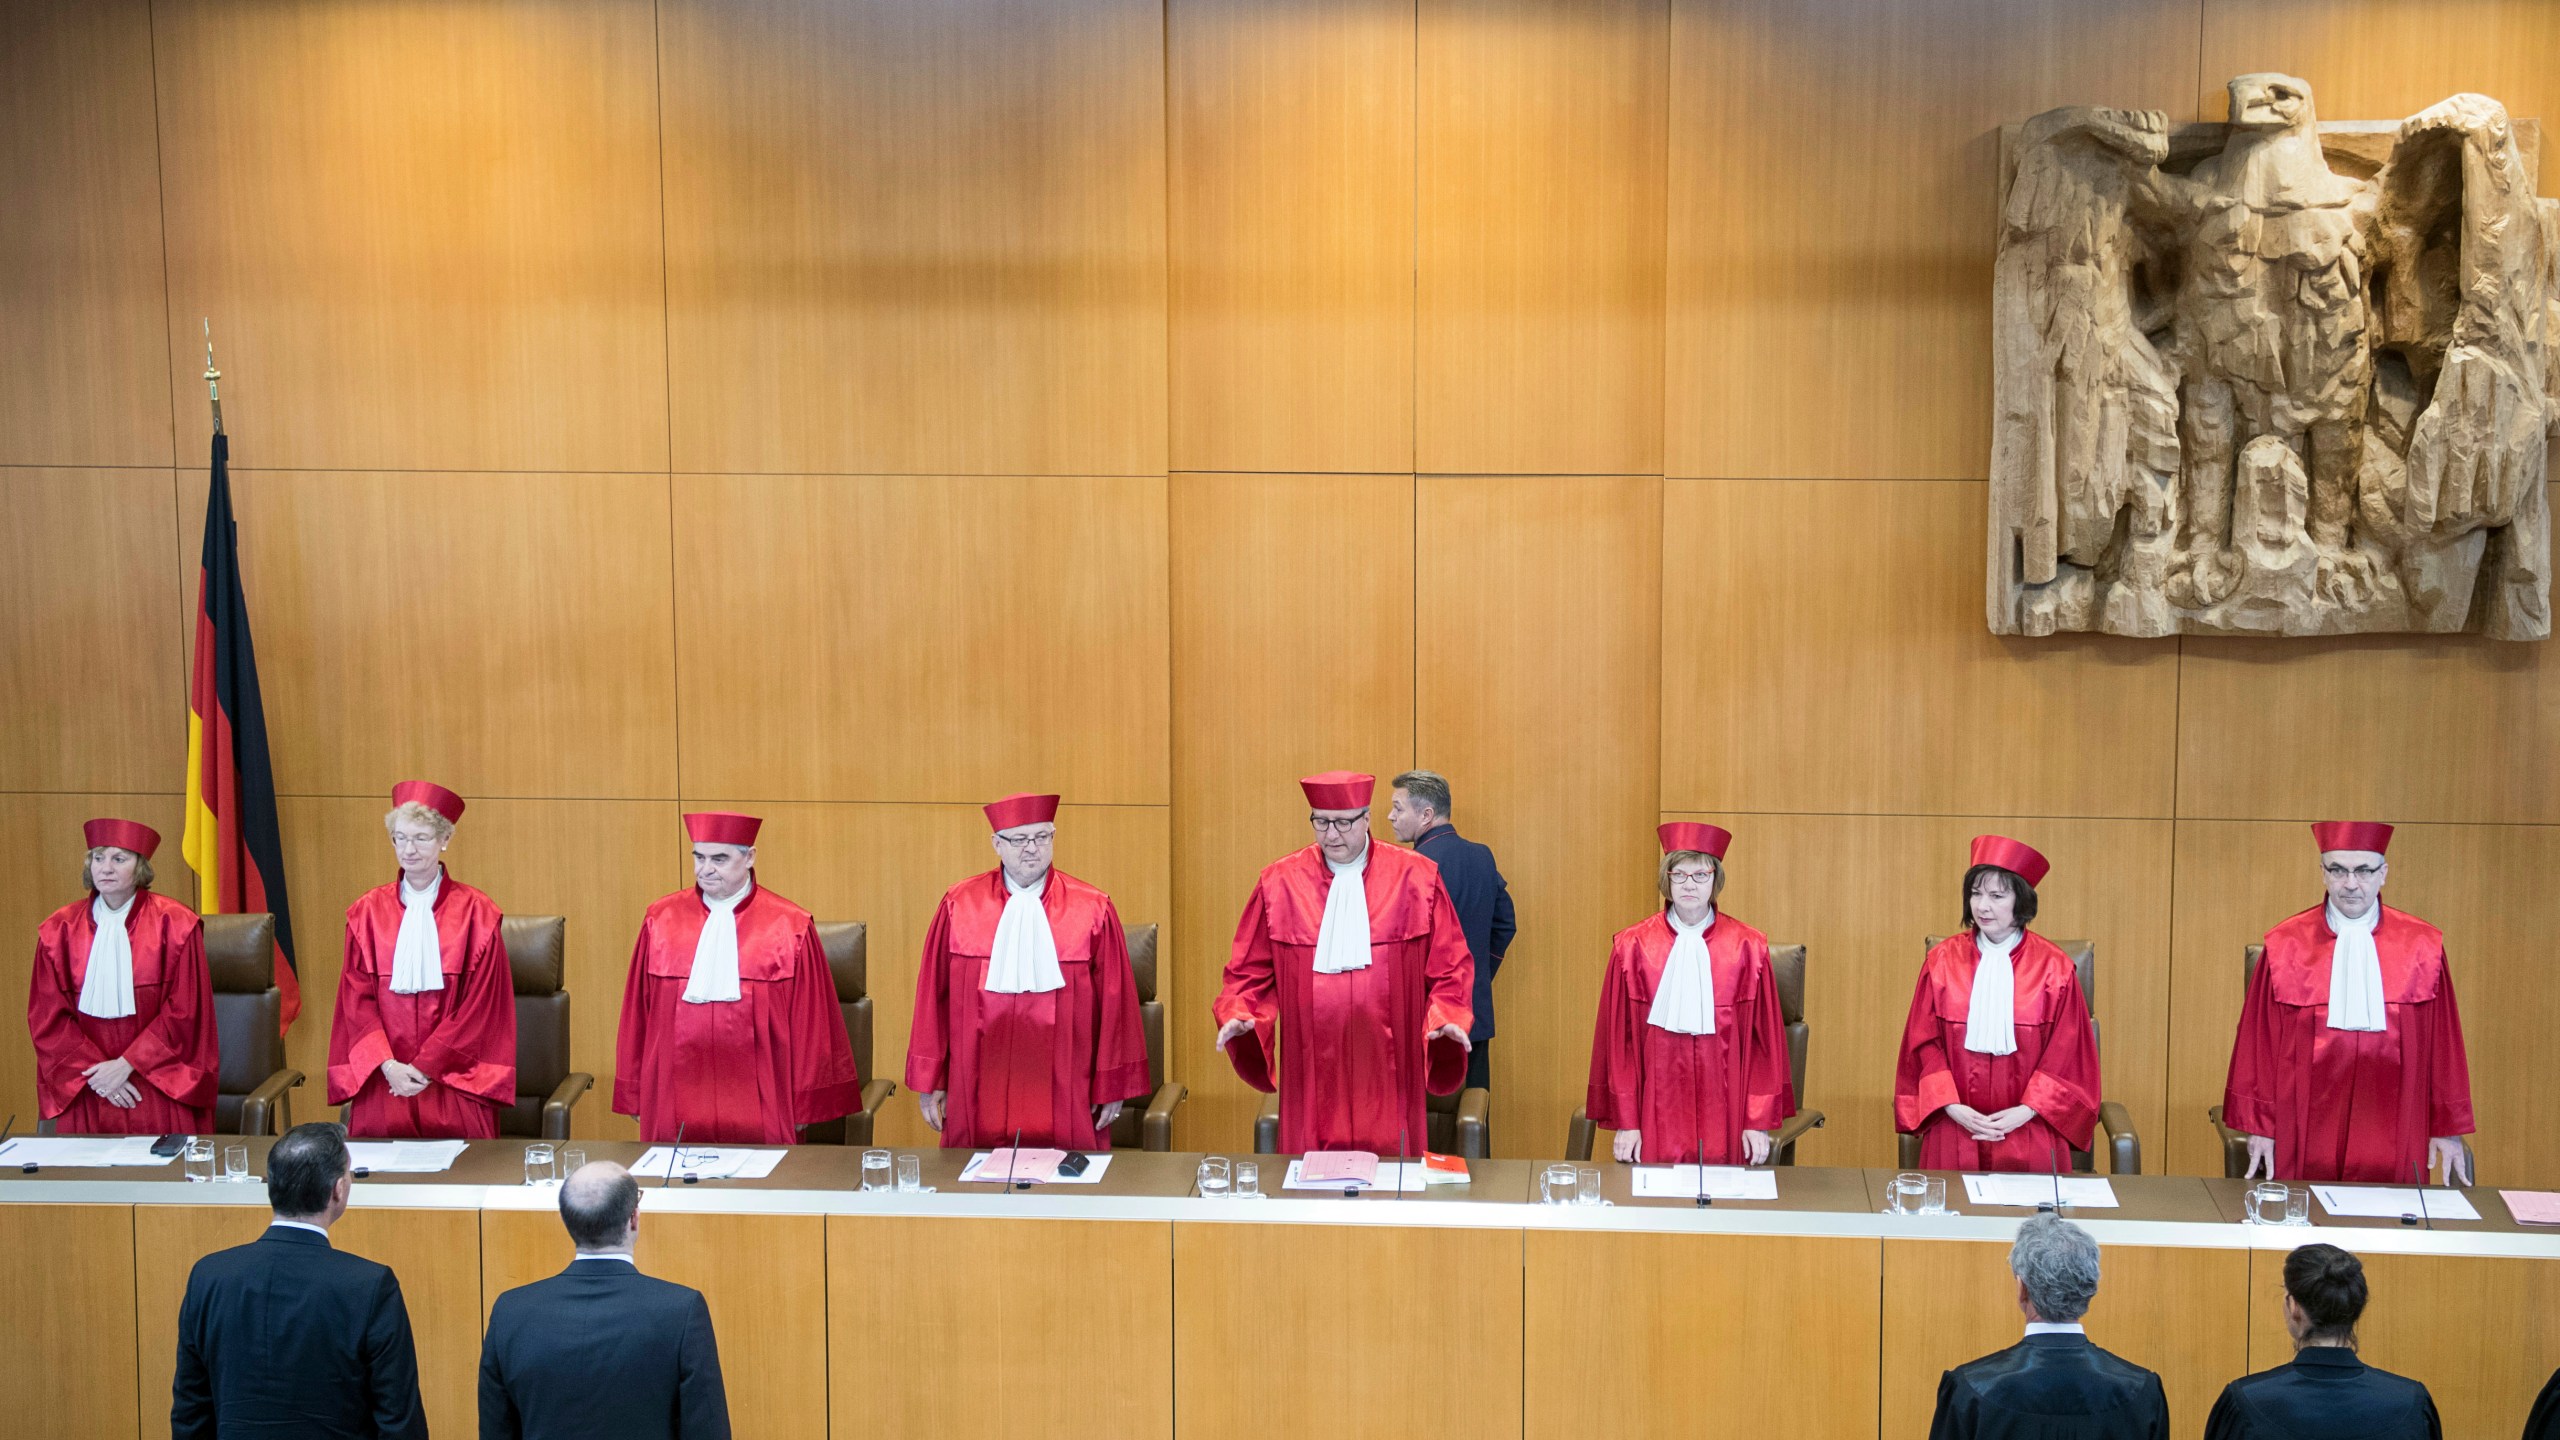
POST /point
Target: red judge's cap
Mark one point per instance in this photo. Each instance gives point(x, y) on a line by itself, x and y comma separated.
point(719, 827)
point(2019, 860)
point(1692, 835)
point(1015, 810)
point(2370, 835)
point(435, 797)
point(130, 835)
point(1339, 789)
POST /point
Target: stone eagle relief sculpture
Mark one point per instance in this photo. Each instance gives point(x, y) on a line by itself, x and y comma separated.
point(2273, 377)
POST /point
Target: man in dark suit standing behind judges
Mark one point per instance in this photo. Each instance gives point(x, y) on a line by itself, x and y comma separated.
point(288, 1337)
point(601, 1351)
point(1420, 815)
point(2328, 1392)
point(2053, 1383)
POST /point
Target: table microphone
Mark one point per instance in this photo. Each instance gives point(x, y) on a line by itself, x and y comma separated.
point(1698, 1128)
point(675, 1154)
point(30, 1167)
point(1013, 1160)
point(2422, 1215)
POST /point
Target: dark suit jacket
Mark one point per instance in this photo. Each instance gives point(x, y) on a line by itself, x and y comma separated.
point(2325, 1394)
point(1483, 903)
point(2544, 1422)
point(603, 1351)
point(288, 1337)
point(2047, 1387)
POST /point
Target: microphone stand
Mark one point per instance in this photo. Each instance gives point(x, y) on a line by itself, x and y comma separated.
point(674, 1155)
point(1698, 1123)
point(2422, 1216)
point(2053, 1162)
point(1013, 1158)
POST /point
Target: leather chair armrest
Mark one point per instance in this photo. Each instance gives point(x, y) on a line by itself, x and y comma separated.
point(555, 1110)
point(1782, 1145)
point(1266, 1126)
point(2124, 1148)
point(1474, 1130)
point(876, 1094)
point(1578, 1136)
point(1906, 1152)
point(2235, 1146)
point(1155, 1128)
point(268, 1110)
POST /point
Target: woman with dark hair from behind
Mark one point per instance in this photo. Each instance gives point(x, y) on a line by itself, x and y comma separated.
point(2328, 1390)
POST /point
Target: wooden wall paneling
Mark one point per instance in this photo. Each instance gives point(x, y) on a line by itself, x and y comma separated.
point(2483, 885)
point(888, 866)
point(1831, 217)
point(1863, 891)
point(972, 281)
point(1291, 135)
point(84, 377)
point(1412, 1330)
point(1538, 695)
point(1293, 646)
point(769, 1317)
point(597, 863)
point(428, 236)
point(94, 667)
point(2182, 1313)
point(66, 1282)
point(945, 639)
point(2482, 1335)
point(1823, 651)
point(43, 832)
point(2376, 60)
point(1015, 1312)
point(1538, 335)
point(1698, 1334)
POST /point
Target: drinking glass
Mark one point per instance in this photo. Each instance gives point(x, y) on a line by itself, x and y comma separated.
point(2297, 1206)
point(572, 1160)
point(2267, 1202)
point(1934, 1200)
point(199, 1160)
point(1215, 1177)
point(1586, 1185)
point(1248, 1180)
point(910, 1174)
point(1560, 1184)
point(235, 1163)
point(875, 1169)
point(1910, 1192)
point(539, 1161)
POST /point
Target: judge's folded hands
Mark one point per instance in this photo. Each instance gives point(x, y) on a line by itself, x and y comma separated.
point(404, 1080)
point(112, 1080)
point(1992, 1127)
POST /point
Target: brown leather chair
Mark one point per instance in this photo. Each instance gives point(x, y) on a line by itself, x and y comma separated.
point(1151, 1128)
point(848, 949)
point(546, 1088)
point(1787, 961)
point(2235, 1145)
point(1459, 1124)
point(2124, 1148)
point(254, 1095)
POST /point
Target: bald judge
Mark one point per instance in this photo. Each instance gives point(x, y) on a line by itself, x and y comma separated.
point(1353, 953)
point(730, 1031)
point(2349, 1062)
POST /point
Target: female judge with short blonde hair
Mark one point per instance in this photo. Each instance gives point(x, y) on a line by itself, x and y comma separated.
point(121, 1005)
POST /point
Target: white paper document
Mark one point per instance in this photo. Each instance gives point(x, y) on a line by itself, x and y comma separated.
point(1724, 1182)
point(2090, 1192)
point(77, 1152)
point(2390, 1202)
point(710, 1162)
point(1401, 1176)
point(407, 1157)
point(1092, 1172)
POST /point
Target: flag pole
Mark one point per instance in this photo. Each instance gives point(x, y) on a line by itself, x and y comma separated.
point(212, 377)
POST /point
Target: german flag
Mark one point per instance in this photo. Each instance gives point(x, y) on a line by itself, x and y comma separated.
point(233, 842)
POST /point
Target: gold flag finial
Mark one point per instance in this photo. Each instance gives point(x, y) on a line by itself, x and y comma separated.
point(212, 377)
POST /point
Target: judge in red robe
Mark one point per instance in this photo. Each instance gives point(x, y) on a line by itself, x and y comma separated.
point(120, 1005)
point(1353, 955)
point(1999, 1068)
point(1026, 1012)
point(1689, 1057)
point(2349, 1062)
point(730, 1030)
point(423, 1043)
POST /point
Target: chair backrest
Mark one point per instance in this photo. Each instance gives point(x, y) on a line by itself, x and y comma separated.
point(537, 957)
point(248, 1009)
point(1787, 960)
point(1125, 1131)
point(847, 944)
point(2249, 958)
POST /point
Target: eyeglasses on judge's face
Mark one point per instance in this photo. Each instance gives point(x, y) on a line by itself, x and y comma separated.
point(1027, 842)
point(2352, 874)
point(1692, 879)
point(1337, 824)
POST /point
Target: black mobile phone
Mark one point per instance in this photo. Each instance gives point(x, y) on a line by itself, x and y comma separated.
point(1076, 1163)
point(168, 1145)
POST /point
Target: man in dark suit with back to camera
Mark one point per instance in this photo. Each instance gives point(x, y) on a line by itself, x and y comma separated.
point(2328, 1392)
point(1420, 816)
point(2053, 1383)
point(288, 1337)
point(601, 1351)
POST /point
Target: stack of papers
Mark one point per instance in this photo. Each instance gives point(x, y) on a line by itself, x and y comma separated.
point(1036, 1167)
point(416, 1157)
point(1723, 1182)
point(2079, 1191)
point(703, 1162)
point(2533, 1207)
point(81, 1151)
point(1338, 1167)
point(1405, 1177)
point(2390, 1202)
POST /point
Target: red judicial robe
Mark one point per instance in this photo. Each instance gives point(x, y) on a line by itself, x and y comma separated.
point(1353, 1066)
point(1036, 1062)
point(2054, 1069)
point(463, 1036)
point(169, 1038)
point(1689, 1093)
point(2350, 1104)
point(743, 1071)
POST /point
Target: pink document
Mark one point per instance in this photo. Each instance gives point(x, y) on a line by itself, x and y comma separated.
point(1338, 1167)
point(2533, 1207)
point(999, 1165)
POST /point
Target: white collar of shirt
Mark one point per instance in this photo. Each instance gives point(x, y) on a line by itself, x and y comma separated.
point(622, 1255)
point(106, 991)
point(2047, 1327)
point(1024, 958)
point(1342, 939)
point(714, 977)
point(320, 1230)
point(2355, 972)
point(1991, 1021)
point(1685, 1000)
point(417, 956)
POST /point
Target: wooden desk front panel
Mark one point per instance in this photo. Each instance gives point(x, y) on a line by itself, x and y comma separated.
point(1292, 1329)
point(66, 1284)
point(1015, 1327)
point(765, 1277)
point(1681, 1335)
point(2183, 1313)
